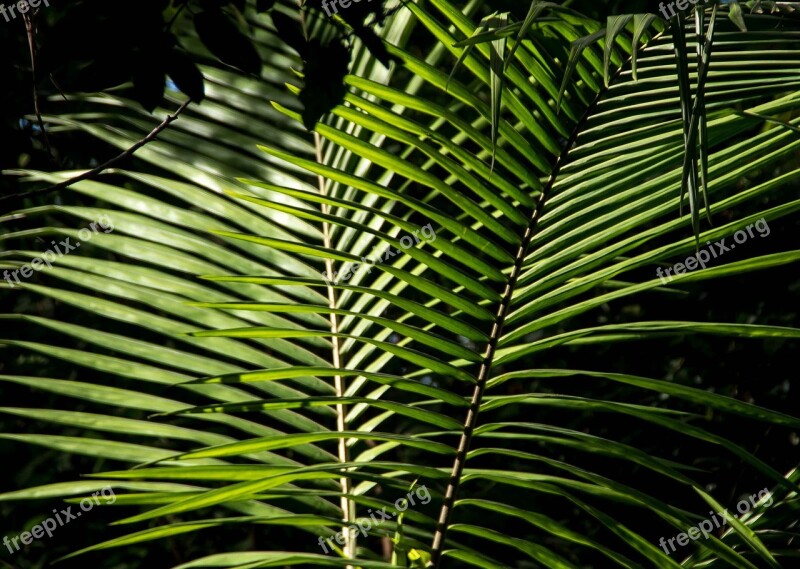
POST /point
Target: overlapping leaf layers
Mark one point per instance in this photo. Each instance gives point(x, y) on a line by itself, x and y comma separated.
point(318, 404)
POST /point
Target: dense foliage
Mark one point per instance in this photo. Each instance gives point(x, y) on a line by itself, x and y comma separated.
point(522, 359)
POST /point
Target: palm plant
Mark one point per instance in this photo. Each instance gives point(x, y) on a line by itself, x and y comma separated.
point(308, 403)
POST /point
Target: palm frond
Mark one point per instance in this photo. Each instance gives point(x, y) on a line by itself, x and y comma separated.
point(543, 205)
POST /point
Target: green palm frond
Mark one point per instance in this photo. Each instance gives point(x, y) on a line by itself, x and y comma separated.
point(524, 213)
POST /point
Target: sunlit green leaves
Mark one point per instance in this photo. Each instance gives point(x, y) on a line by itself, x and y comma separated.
point(542, 218)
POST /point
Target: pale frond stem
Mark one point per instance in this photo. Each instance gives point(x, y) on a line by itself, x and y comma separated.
point(471, 420)
point(343, 453)
point(347, 505)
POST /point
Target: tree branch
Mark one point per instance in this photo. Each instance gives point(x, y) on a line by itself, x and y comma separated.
point(31, 31)
point(13, 198)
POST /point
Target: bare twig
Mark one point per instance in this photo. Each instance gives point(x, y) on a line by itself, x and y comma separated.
point(58, 87)
point(31, 32)
point(104, 166)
